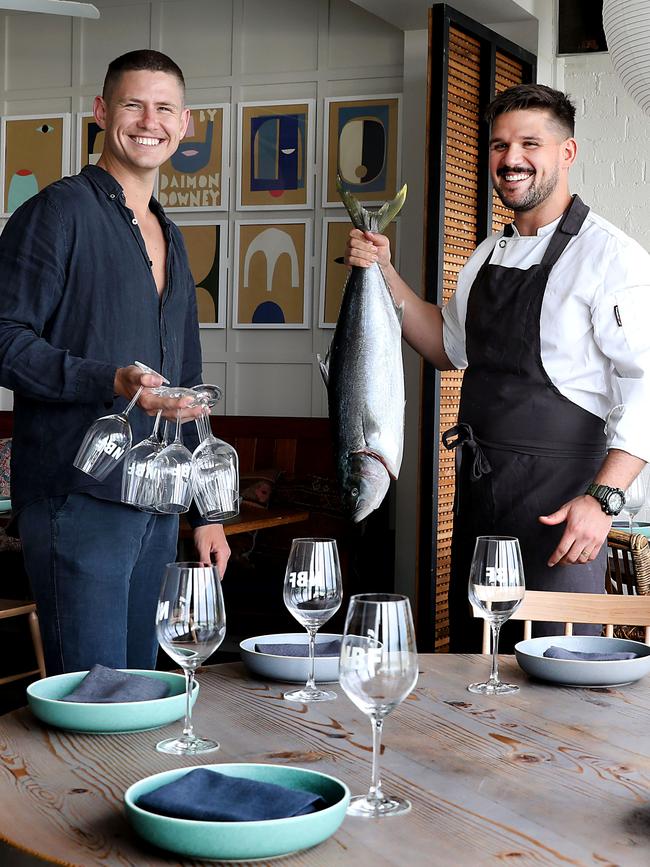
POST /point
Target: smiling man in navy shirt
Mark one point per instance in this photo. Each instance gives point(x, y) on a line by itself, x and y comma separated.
point(94, 276)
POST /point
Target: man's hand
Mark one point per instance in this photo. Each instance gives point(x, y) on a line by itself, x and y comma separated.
point(129, 379)
point(211, 545)
point(365, 248)
point(586, 529)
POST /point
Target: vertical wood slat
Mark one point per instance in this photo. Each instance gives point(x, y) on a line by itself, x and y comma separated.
point(508, 72)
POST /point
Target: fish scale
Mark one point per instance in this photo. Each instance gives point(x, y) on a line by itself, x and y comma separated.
point(364, 376)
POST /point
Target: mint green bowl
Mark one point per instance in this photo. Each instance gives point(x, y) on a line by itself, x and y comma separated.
point(127, 716)
point(243, 841)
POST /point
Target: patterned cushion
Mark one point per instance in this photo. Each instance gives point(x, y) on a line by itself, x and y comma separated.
point(5, 455)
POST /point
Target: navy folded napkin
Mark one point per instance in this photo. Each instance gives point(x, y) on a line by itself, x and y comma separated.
point(324, 648)
point(213, 797)
point(560, 653)
point(106, 685)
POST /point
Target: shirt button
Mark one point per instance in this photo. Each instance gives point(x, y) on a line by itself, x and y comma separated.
point(134, 221)
point(112, 196)
point(502, 243)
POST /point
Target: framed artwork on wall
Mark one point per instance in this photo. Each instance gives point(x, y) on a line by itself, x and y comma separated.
point(90, 140)
point(196, 177)
point(333, 274)
point(275, 147)
point(35, 152)
point(206, 242)
point(362, 143)
point(272, 273)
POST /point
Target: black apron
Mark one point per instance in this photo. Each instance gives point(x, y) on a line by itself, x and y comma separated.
point(523, 449)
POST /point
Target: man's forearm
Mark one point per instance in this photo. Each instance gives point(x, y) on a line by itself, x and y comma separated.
point(619, 469)
point(422, 324)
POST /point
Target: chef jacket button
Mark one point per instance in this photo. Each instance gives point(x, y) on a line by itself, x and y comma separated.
point(502, 243)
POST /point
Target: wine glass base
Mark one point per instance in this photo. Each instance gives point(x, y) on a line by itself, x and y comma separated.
point(361, 806)
point(493, 688)
point(309, 694)
point(185, 746)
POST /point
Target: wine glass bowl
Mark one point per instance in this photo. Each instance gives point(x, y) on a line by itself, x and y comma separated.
point(496, 590)
point(190, 626)
point(635, 497)
point(312, 594)
point(378, 669)
point(105, 443)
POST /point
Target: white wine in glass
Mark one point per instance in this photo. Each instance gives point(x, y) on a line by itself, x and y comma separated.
point(496, 588)
point(312, 593)
point(190, 625)
point(378, 669)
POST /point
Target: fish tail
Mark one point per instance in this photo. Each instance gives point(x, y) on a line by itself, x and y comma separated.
point(389, 210)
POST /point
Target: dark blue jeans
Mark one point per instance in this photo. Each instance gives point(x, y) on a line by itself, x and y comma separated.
point(95, 568)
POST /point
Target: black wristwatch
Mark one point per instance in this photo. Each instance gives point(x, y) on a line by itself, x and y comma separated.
point(611, 500)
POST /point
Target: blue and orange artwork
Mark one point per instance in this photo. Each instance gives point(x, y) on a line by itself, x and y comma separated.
point(275, 160)
point(362, 146)
point(271, 278)
point(32, 157)
point(193, 178)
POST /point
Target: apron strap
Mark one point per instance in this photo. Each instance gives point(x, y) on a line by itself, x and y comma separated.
point(568, 228)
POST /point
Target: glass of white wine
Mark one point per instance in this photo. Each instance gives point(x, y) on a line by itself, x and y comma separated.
point(496, 588)
point(312, 593)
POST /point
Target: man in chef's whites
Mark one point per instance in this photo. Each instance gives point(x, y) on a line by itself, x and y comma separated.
point(551, 323)
point(93, 277)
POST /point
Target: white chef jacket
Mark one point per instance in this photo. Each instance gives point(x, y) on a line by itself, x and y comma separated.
point(594, 322)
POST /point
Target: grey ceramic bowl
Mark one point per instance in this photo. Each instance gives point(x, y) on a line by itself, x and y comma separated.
point(578, 672)
point(229, 841)
point(288, 669)
point(127, 716)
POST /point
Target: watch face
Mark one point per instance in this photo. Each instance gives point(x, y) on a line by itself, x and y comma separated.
point(615, 502)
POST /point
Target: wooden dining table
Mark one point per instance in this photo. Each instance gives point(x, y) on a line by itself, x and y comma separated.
point(549, 776)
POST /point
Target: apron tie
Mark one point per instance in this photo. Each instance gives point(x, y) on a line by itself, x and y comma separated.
point(465, 437)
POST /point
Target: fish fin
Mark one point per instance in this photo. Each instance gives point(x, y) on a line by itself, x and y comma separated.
point(389, 210)
point(324, 368)
point(371, 428)
point(358, 214)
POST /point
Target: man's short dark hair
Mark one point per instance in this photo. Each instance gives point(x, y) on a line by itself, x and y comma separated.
point(536, 96)
point(134, 61)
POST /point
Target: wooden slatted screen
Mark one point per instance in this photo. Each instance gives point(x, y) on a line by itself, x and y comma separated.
point(468, 64)
point(459, 226)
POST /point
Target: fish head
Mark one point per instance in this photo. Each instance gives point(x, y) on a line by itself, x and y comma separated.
point(365, 484)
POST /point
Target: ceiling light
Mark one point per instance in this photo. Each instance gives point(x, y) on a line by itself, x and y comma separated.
point(52, 7)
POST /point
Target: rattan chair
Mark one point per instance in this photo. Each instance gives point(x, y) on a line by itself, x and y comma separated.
point(15, 608)
point(570, 608)
point(628, 563)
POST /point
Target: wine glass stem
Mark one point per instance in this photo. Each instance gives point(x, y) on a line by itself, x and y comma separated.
point(188, 730)
point(374, 792)
point(133, 401)
point(311, 682)
point(495, 625)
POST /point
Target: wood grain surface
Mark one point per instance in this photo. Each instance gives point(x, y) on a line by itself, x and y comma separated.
point(551, 776)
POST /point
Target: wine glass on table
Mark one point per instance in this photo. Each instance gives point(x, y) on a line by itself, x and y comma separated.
point(496, 589)
point(312, 593)
point(190, 625)
point(378, 669)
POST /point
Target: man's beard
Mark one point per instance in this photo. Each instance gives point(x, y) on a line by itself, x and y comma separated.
point(533, 197)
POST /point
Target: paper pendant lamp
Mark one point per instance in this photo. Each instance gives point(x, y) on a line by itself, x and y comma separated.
point(627, 28)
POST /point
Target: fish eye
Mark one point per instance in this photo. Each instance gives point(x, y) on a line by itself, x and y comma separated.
point(44, 128)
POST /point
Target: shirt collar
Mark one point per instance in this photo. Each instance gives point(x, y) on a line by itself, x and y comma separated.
point(541, 232)
point(107, 184)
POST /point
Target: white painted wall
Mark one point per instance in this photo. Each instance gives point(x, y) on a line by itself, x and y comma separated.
point(230, 51)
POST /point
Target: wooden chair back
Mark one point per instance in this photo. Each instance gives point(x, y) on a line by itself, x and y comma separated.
point(15, 608)
point(570, 608)
point(628, 563)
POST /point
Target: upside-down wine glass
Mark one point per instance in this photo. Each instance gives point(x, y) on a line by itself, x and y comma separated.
point(216, 474)
point(106, 441)
point(378, 669)
point(138, 479)
point(496, 588)
point(190, 625)
point(173, 472)
point(312, 593)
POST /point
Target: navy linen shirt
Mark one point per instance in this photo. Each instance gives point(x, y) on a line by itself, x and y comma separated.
point(77, 301)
